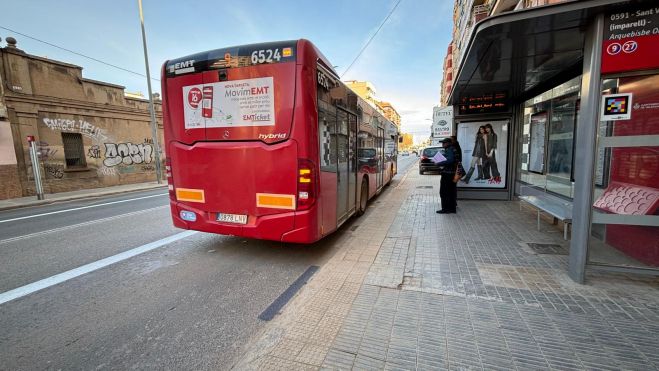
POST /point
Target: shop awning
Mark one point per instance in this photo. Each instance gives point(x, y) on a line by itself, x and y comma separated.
point(517, 55)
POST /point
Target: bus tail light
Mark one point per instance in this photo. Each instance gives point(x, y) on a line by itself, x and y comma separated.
point(170, 179)
point(306, 184)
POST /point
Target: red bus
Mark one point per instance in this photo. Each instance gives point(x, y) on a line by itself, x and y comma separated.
point(264, 141)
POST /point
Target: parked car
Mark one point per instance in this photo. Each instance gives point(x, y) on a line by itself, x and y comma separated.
point(426, 163)
point(404, 153)
point(368, 160)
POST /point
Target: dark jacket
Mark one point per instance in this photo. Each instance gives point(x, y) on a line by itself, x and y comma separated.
point(479, 147)
point(491, 142)
point(448, 166)
point(458, 151)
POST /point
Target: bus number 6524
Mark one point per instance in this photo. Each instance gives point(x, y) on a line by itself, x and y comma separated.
point(265, 56)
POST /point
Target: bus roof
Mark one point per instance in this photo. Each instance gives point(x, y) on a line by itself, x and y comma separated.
point(239, 56)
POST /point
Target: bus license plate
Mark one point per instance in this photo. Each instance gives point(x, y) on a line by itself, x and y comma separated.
point(232, 218)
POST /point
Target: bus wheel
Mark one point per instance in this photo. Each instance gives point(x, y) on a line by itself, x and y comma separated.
point(363, 198)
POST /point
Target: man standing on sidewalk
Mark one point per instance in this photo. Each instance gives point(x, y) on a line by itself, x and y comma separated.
point(448, 191)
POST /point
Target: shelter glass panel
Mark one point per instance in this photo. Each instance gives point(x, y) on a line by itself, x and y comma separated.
point(625, 213)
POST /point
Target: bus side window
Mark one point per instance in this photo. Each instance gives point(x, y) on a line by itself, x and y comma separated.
point(327, 136)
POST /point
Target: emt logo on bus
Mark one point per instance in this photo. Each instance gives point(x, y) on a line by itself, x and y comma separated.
point(182, 67)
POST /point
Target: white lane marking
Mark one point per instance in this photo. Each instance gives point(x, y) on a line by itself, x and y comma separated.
point(79, 208)
point(36, 234)
point(73, 273)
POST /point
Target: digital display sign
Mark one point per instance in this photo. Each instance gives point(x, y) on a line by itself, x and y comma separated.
point(485, 103)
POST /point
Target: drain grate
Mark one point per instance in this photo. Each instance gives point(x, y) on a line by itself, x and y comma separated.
point(424, 187)
point(548, 248)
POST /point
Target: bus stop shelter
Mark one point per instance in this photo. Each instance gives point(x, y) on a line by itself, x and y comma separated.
point(570, 93)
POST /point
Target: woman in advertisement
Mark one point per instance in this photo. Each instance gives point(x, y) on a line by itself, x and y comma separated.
point(477, 156)
point(490, 165)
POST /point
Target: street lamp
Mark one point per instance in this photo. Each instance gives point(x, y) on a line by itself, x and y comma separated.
point(152, 108)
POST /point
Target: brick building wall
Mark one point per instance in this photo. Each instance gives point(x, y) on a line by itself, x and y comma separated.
point(88, 134)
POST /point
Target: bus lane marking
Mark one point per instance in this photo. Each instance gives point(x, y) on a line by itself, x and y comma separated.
point(273, 309)
point(79, 208)
point(36, 234)
point(87, 268)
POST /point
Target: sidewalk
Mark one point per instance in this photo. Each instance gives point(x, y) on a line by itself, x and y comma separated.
point(412, 289)
point(74, 195)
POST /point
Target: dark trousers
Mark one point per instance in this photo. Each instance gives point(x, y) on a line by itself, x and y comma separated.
point(490, 167)
point(448, 192)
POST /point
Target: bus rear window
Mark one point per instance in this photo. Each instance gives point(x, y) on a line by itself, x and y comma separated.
point(237, 56)
point(432, 151)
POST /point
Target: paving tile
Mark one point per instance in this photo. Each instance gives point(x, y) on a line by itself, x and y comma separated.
point(363, 362)
point(462, 293)
point(278, 364)
point(312, 355)
point(339, 360)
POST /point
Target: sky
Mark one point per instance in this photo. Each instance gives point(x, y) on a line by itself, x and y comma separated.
point(404, 61)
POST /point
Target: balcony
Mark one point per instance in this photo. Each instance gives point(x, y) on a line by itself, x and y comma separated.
point(480, 12)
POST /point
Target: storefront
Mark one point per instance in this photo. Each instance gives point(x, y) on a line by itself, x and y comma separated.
point(572, 92)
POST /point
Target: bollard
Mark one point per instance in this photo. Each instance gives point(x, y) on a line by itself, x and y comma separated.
point(35, 167)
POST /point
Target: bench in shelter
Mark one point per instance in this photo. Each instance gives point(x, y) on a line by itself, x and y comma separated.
point(554, 206)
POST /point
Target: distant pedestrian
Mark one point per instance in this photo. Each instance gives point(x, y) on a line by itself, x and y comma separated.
point(458, 162)
point(448, 191)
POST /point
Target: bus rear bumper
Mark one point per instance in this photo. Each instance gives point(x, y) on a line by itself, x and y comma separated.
point(296, 227)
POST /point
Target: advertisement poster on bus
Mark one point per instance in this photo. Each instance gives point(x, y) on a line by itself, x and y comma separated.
point(249, 102)
point(484, 153)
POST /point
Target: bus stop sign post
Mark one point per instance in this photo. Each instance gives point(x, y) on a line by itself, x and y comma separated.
point(35, 167)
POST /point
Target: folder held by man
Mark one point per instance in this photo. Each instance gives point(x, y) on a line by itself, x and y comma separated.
point(438, 157)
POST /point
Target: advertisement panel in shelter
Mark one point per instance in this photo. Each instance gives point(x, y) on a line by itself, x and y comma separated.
point(484, 153)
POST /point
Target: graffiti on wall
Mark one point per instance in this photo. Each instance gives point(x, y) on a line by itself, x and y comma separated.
point(118, 158)
point(94, 151)
point(77, 126)
point(44, 151)
point(106, 171)
point(54, 170)
point(127, 154)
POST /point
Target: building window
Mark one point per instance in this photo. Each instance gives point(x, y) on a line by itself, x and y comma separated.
point(74, 152)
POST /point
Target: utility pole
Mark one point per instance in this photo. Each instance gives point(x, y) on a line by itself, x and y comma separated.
point(152, 108)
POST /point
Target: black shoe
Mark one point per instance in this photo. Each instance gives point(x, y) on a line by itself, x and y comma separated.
point(445, 211)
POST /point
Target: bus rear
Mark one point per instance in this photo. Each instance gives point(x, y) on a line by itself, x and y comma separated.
point(232, 163)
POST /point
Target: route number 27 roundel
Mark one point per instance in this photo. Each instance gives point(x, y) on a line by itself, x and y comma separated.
point(194, 97)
